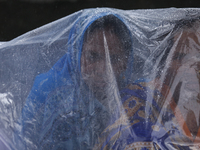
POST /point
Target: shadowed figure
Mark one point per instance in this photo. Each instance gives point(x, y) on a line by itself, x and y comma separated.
point(70, 105)
point(103, 79)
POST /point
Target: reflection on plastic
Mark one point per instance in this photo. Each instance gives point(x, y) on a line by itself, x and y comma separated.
point(103, 79)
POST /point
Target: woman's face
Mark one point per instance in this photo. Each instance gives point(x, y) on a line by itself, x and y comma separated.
point(103, 59)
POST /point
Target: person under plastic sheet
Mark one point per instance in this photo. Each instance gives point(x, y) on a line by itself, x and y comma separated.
point(162, 113)
point(69, 106)
point(88, 99)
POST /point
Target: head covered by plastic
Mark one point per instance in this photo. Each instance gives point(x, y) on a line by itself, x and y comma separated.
point(84, 83)
point(88, 33)
point(66, 77)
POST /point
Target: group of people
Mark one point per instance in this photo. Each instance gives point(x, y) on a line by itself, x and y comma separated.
point(103, 95)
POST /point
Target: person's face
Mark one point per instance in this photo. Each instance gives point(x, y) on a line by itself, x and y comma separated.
point(103, 59)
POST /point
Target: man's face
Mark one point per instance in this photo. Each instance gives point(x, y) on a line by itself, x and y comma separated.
point(103, 59)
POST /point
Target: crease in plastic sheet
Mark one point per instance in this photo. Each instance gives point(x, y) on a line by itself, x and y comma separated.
point(103, 79)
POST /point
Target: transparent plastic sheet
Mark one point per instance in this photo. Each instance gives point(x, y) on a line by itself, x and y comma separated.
point(103, 79)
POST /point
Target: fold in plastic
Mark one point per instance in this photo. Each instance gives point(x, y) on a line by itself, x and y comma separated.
point(103, 79)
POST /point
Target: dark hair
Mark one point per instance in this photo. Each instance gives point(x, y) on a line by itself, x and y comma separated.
point(116, 26)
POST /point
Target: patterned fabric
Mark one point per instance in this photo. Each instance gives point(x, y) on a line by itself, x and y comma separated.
point(142, 124)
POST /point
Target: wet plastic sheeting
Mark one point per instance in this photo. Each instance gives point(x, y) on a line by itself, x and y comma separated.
point(103, 79)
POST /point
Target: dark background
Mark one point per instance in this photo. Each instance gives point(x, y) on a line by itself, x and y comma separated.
point(20, 16)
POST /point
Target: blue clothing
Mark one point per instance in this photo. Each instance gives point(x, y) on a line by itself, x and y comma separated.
point(45, 104)
point(142, 123)
point(60, 110)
